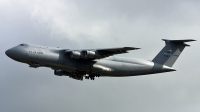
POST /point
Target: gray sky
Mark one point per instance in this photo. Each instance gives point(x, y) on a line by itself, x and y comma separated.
point(99, 24)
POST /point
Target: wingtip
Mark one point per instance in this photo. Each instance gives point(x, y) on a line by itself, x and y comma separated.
point(132, 48)
point(136, 48)
point(193, 40)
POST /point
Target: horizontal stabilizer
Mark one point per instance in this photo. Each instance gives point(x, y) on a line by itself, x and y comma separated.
point(179, 41)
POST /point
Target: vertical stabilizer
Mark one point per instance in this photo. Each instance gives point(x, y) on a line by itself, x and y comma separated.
point(170, 53)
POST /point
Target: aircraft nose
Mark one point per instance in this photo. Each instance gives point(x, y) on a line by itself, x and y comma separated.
point(15, 53)
point(8, 52)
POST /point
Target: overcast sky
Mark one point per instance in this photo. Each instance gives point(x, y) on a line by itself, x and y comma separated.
point(74, 24)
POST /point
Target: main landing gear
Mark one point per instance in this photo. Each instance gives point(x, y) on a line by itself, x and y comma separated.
point(88, 76)
point(91, 76)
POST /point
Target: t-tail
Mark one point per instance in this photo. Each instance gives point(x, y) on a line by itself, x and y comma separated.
point(170, 53)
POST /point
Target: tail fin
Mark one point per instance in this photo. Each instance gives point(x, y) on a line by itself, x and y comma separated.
point(170, 53)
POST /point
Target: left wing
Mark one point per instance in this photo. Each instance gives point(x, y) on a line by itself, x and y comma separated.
point(98, 53)
point(114, 51)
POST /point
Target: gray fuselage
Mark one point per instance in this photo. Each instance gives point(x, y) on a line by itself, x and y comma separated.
point(57, 59)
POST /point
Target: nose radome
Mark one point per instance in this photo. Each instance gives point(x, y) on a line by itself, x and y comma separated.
point(8, 52)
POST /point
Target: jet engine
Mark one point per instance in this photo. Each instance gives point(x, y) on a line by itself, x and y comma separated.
point(84, 55)
point(90, 54)
point(75, 54)
point(61, 73)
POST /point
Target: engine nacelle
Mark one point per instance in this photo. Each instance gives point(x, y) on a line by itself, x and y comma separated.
point(90, 54)
point(61, 73)
point(75, 55)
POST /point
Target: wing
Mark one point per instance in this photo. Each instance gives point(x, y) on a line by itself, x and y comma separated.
point(98, 53)
point(114, 51)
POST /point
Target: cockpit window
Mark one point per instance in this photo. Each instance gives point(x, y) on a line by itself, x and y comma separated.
point(21, 44)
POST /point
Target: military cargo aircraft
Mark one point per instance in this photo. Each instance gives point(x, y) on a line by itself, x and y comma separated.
point(91, 63)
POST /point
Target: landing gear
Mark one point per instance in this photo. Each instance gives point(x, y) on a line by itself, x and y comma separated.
point(91, 78)
point(79, 74)
point(87, 77)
